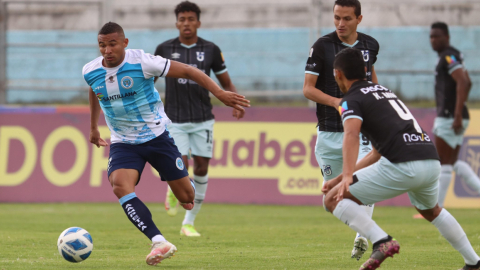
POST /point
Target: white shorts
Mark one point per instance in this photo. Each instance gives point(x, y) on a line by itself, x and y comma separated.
point(442, 127)
point(384, 180)
point(194, 137)
point(328, 151)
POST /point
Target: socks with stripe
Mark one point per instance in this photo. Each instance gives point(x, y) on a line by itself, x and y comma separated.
point(138, 213)
point(201, 183)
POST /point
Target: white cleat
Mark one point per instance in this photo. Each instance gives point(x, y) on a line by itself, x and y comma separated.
point(359, 247)
point(160, 251)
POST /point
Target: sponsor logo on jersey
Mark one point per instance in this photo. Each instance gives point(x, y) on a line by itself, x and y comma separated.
point(179, 164)
point(366, 55)
point(200, 56)
point(114, 97)
point(223, 59)
point(99, 87)
point(451, 59)
point(422, 137)
point(99, 96)
point(111, 79)
point(175, 55)
point(127, 82)
point(343, 108)
point(311, 52)
point(373, 88)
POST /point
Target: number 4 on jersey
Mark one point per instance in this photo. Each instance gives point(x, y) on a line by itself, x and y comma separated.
point(404, 113)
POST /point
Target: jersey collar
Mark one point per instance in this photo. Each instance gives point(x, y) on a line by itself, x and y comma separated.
point(188, 46)
point(337, 39)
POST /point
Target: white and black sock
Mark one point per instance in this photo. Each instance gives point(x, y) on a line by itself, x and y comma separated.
point(201, 183)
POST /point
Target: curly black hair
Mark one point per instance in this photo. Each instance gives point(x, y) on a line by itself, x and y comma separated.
point(186, 6)
point(110, 28)
point(350, 3)
point(442, 26)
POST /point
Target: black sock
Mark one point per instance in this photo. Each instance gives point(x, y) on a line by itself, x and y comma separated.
point(381, 241)
point(138, 213)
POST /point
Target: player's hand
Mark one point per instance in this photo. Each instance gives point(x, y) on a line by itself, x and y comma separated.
point(96, 139)
point(234, 100)
point(238, 114)
point(329, 185)
point(344, 187)
point(457, 125)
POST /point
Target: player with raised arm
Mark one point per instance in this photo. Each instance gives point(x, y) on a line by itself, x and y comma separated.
point(121, 84)
point(452, 85)
point(188, 104)
point(403, 160)
point(320, 86)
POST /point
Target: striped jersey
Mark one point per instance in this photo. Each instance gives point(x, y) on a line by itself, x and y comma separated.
point(132, 106)
point(185, 100)
point(320, 63)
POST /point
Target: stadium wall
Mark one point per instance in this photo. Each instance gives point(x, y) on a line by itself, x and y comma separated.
point(257, 58)
point(266, 158)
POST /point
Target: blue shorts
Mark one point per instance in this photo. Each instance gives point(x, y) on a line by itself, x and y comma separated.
point(161, 153)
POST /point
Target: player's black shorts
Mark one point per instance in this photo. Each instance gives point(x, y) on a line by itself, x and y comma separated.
point(161, 153)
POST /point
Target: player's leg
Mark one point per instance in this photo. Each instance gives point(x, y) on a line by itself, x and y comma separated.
point(180, 136)
point(201, 141)
point(447, 155)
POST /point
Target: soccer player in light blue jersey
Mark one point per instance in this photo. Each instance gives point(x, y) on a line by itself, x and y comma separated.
point(121, 84)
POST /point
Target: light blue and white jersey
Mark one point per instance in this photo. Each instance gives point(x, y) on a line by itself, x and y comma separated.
point(132, 106)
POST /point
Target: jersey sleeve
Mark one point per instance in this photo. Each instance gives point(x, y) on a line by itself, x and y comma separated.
point(218, 64)
point(315, 59)
point(350, 108)
point(452, 61)
point(374, 60)
point(154, 66)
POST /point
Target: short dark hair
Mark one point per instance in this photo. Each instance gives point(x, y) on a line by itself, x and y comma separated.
point(187, 6)
point(350, 3)
point(110, 28)
point(350, 62)
point(442, 26)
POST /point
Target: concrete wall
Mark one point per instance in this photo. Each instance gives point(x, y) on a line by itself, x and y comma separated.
point(257, 59)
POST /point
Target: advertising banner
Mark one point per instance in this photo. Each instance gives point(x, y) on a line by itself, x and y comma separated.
point(266, 158)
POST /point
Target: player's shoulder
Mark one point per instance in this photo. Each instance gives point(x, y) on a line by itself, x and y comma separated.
point(92, 65)
point(369, 39)
point(206, 43)
point(328, 38)
point(451, 51)
point(169, 42)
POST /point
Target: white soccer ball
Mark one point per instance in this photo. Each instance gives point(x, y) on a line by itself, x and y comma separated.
point(75, 244)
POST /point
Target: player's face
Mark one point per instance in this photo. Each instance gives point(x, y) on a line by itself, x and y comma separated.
point(345, 20)
point(438, 39)
point(187, 24)
point(339, 79)
point(112, 47)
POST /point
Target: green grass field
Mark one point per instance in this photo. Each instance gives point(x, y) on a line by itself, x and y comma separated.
point(233, 237)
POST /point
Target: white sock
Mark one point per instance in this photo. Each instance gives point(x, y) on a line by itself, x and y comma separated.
point(469, 176)
point(158, 238)
point(201, 183)
point(453, 232)
point(443, 183)
point(350, 213)
point(369, 210)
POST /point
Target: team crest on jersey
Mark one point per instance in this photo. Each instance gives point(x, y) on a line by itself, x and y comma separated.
point(179, 163)
point(175, 55)
point(327, 170)
point(366, 55)
point(200, 56)
point(127, 82)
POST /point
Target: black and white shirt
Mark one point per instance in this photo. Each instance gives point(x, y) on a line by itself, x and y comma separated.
point(185, 100)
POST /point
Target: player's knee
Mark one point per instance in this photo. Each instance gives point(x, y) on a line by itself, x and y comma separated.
point(431, 214)
point(329, 202)
point(201, 171)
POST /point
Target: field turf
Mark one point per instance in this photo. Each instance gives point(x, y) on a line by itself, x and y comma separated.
point(233, 237)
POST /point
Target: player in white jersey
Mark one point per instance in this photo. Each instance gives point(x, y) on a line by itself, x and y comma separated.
point(121, 83)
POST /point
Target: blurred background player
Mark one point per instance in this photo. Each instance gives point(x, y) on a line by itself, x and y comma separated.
point(452, 86)
point(123, 87)
point(188, 104)
point(320, 86)
point(403, 160)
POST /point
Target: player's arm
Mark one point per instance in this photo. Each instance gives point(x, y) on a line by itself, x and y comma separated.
point(351, 143)
point(314, 94)
point(227, 84)
point(231, 99)
point(463, 87)
point(374, 75)
point(94, 115)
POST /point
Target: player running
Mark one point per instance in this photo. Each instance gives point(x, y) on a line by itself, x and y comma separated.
point(452, 85)
point(403, 160)
point(188, 105)
point(320, 86)
point(121, 84)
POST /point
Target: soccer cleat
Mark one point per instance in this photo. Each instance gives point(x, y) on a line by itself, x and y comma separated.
point(380, 253)
point(171, 203)
point(189, 230)
point(360, 245)
point(418, 216)
point(471, 267)
point(160, 251)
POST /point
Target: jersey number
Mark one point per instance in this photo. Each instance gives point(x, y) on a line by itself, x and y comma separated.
point(404, 113)
point(209, 136)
